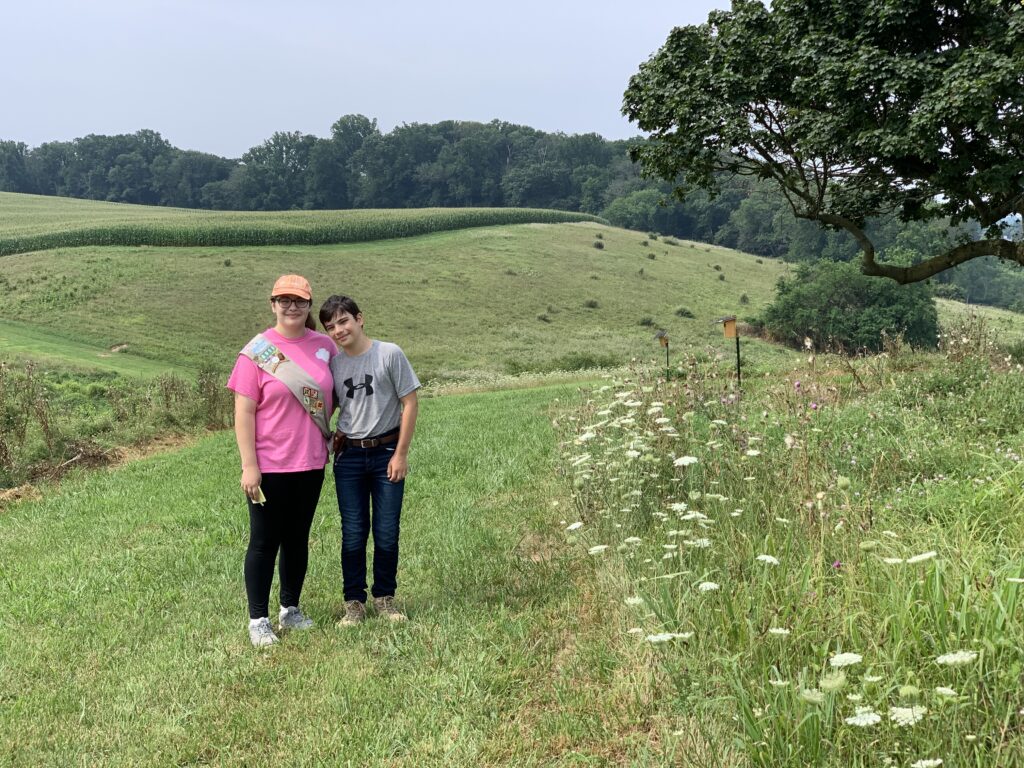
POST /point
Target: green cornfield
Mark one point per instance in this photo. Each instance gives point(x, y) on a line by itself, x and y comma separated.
point(36, 223)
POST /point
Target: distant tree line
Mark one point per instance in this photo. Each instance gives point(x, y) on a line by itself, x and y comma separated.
point(458, 164)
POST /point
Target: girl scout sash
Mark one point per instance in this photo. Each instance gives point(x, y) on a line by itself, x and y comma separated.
point(271, 360)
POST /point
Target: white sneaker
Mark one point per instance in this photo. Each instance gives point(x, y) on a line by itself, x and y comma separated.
point(292, 618)
point(260, 632)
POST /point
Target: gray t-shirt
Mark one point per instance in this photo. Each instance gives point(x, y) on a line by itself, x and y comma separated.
point(368, 389)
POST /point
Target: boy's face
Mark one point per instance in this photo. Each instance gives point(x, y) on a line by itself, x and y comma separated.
point(345, 329)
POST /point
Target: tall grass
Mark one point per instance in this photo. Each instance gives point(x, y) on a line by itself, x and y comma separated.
point(827, 565)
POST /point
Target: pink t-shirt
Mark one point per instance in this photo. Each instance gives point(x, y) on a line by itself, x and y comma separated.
point(287, 439)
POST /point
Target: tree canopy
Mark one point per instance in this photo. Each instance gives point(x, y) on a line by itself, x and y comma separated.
point(854, 109)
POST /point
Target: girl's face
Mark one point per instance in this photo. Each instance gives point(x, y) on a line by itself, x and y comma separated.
point(290, 311)
point(346, 330)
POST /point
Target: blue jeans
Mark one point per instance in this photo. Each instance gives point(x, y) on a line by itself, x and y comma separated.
point(361, 474)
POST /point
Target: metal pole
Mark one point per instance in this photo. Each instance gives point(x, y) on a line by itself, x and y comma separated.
point(739, 381)
point(666, 361)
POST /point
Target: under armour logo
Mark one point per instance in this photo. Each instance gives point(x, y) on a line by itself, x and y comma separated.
point(367, 382)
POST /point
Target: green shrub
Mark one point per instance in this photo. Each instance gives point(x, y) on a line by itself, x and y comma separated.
point(684, 312)
point(652, 235)
point(839, 308)
point(744, 299)
point(599, 235)
point(721, 277)
point(599, 245)
point(716, 267)
point(669, 241)
point(544, 318)
point(227, 262)
point(647, 322)
point(591, 304)
point(652, 256)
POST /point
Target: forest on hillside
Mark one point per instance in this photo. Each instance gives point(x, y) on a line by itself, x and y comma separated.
point(460, 164)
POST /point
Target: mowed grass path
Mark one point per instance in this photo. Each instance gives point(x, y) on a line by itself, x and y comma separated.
point(122, 620)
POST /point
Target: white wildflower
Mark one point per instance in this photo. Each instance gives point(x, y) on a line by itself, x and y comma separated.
point(662, 420)
point(928, 762)
point(632, 540)
point(633, 600)
point(944, 691)
point(872, 678)
point(698, 543)
point(664, 637)
point(707, 586)
point(678, 506)
point(921, 558)
point(586, 436)
point(906, 716)
point(957, 658)
point(597, 549)
point(632, 454)
point(685, 461)
point(779, 683)
point(752, 452)
point(812, 696)
point(781, 631)
point(892, 560)
point(845, 660)
point(864, 717)
point(575, 526)
point(768, 559)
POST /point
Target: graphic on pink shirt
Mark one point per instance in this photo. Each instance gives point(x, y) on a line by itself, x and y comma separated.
point(287, 439)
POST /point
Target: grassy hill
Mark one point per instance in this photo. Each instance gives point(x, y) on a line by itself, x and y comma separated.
point(494, 299)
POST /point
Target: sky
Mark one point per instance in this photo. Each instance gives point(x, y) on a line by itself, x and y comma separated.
point(221, 76)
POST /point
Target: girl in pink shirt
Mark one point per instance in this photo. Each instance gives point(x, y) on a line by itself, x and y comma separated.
point(283, 396)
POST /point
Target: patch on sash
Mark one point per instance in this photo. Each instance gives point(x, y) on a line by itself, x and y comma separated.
point(311, 399)
point(266, 355)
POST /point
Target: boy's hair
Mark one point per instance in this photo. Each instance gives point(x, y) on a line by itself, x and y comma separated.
point(336, 304)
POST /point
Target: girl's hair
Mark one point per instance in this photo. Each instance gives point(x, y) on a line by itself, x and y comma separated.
point(336, 304)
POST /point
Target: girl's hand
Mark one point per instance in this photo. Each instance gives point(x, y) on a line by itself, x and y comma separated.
point(251, 478)
point(398, 468)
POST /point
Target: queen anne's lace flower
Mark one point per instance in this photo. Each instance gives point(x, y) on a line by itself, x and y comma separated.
point(906, 716)
point(957, 658)
point(845, 659)
point(768, 559)
point(685, 461)
point(864, 717)
point(664, 637)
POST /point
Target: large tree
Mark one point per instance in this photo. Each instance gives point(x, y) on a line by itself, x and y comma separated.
point(855, 109)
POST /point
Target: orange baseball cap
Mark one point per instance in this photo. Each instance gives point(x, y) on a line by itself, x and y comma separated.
point(292, 285)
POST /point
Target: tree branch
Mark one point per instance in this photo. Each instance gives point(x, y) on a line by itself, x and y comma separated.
point(1003, 249)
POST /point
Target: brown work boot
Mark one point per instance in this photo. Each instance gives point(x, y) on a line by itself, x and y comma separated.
point(355, 612)
point(385, 606)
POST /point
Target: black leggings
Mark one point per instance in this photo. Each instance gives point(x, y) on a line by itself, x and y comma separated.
point(283, 522)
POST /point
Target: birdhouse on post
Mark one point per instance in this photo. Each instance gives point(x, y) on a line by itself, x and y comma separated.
point(662, 337)
point(729, 329)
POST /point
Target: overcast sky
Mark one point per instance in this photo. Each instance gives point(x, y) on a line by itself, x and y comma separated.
point(222, 75)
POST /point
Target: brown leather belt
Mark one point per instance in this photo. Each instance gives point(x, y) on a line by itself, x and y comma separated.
point(368, 442)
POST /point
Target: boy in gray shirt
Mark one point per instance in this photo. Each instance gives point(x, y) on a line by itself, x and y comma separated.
point(375, 388)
